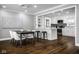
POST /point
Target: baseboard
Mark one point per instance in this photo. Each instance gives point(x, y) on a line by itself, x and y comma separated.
point(3, 39)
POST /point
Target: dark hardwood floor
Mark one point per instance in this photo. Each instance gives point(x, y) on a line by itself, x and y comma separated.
point(65, 46)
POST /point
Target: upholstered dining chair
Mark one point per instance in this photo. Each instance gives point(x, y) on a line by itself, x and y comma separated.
point(29, 38)
point(16, 37)
point(12, 37)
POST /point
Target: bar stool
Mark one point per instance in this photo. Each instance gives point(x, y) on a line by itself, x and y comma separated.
point(44, 34)
point(37, 35)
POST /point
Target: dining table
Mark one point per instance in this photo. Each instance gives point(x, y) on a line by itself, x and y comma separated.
point(21, 33)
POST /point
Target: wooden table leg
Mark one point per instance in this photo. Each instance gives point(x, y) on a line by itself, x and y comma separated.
point(20, 40)
point(33, 38)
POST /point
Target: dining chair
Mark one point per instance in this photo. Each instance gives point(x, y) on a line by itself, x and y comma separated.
point(17, 38)
point(38, 35)
point(29, 38)
point(12, 37)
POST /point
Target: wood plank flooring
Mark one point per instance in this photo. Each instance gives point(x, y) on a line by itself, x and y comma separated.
point(65, 46)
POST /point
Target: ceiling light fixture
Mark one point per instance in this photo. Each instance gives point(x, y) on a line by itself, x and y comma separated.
point(23, 6)
point(4, 6)
point(35, 6)
point(25, 10)
point(20, 4)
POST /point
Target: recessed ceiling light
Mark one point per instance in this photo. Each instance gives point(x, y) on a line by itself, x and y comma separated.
point(25, 10)
point(23, 6)
point(4, 6)
point(20, 4)
point(35, 6)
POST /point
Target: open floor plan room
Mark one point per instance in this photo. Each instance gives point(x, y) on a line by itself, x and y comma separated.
point(39, 29)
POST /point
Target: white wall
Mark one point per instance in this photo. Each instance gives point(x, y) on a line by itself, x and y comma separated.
point(77, 26)
point(10, 20)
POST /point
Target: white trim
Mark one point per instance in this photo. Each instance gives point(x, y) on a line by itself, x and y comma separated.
point(49, 9)
point(52, 10)
point(5, 39)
